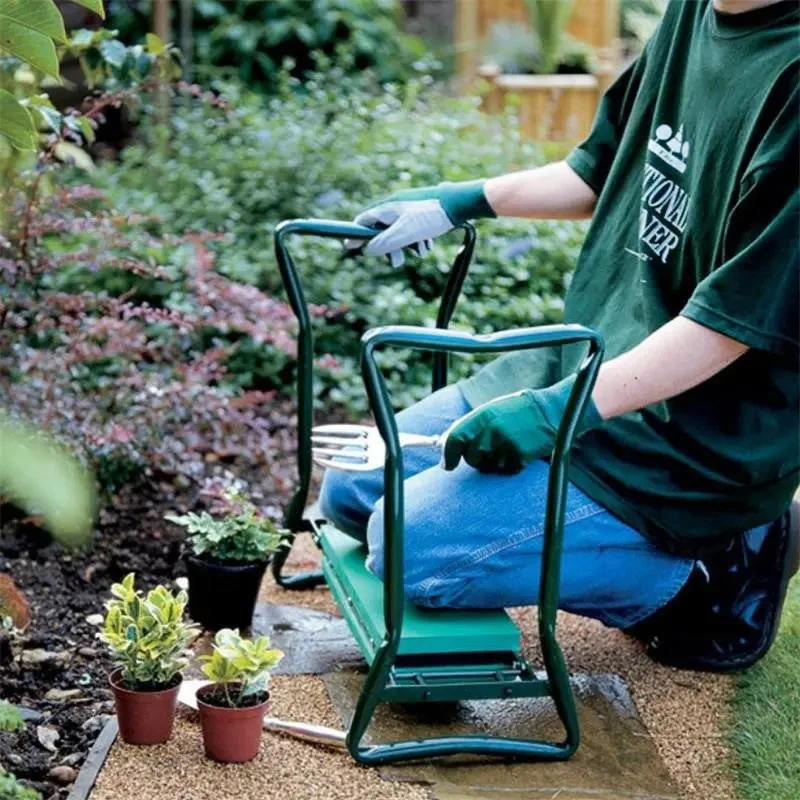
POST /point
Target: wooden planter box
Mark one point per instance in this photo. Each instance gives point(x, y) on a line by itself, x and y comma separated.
point(557, 108)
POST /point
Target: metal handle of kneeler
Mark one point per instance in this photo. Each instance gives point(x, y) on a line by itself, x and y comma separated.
point(440, 341)
point(333, 229)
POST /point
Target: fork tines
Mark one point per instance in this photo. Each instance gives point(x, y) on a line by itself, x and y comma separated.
point(339, 445)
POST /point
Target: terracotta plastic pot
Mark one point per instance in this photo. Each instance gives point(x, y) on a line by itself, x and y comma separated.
point(223, 595)
point(144, 717)
point(230, 735)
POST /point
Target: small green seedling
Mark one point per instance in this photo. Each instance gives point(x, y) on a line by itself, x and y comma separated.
point(147, 635)
point(242, 535)
point(10, 718)
point(241, 667)
point(12, 789)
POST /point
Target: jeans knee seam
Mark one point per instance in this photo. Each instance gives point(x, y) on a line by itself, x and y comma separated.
point(518, 537)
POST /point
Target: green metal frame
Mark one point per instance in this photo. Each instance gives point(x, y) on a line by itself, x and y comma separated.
point(393, 677)
point(294, 520)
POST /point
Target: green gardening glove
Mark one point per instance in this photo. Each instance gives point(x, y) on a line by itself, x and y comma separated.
point(507, 434)
point(414, 217)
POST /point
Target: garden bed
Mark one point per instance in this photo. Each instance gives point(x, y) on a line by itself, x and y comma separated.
point(61, 651)
point(65, 588)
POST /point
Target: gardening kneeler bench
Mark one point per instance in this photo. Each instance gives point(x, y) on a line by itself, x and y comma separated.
point(420, 655)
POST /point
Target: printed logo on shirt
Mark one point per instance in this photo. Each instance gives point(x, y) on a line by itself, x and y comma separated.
point(673, 148)
point(664, 212)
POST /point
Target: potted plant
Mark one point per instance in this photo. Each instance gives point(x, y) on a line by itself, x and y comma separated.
point(543, 48)
point(232, 707)
point(228, 557)
point(148, 639)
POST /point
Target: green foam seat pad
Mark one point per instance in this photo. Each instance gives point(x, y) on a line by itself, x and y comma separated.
point(426, 631)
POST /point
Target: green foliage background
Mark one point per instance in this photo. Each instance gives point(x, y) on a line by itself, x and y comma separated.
point(251, 40)
point(327, 151)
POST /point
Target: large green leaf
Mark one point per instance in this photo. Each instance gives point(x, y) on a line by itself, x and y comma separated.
point(16, 123)
point(26, 44)
point(154, 45)
point(92, 5)
point(40, 15)
point(45, 480)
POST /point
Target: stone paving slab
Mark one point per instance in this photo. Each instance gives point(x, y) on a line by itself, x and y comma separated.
point(313, 642)
point(617, 757)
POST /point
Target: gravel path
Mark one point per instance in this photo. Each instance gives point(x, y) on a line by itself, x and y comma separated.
point(285, 769)
point(686, 714)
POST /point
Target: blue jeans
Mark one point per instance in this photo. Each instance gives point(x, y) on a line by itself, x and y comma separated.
point(474, 540)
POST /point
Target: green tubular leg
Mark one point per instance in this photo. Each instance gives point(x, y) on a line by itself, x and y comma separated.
point(294, 521)
point(555, 666)
point(379, 685)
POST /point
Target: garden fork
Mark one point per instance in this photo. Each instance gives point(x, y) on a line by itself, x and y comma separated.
point(360, 448)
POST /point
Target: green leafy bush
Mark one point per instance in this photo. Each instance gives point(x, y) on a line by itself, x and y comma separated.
point(240, 667)
point(146, 634)
point(242, 534)
point(344, 144)
point(12, 789)
point(34, 136)
point(32, 46)
point(251, 41)
point(132, 387)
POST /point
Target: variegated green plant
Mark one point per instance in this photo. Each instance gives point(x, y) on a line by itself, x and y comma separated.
point(147, 634)
point(241, 666)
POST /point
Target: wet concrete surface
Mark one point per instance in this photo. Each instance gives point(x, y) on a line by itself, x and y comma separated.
point(616, 759)
point(314, 643)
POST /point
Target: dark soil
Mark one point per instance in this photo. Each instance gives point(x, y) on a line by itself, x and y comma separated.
point(216, 697)
point(63, 589)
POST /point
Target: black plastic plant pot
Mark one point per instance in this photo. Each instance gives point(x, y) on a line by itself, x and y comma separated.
point(223, 595)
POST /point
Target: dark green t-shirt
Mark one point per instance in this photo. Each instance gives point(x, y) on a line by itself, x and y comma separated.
point(694, 158)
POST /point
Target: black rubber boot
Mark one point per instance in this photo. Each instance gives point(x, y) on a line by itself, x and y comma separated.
point(727, 615)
